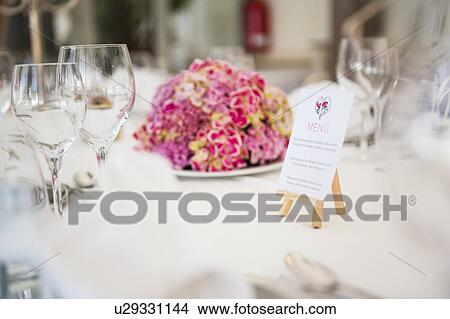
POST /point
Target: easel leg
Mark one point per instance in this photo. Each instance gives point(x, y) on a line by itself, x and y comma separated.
point(337, 195)
point(317, 217)
point(288, 201)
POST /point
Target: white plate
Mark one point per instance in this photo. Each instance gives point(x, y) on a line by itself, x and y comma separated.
point(238, 172)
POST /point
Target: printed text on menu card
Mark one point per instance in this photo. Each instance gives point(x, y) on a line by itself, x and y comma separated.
point(320, 123)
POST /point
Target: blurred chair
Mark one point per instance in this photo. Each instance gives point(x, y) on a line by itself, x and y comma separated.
point(353, 26)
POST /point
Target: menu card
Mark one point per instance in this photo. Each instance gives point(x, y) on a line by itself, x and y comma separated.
point(320, 123)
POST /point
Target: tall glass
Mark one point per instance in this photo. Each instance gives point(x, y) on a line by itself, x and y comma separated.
point(50, 104)
point(363, 67)
point(107, 74)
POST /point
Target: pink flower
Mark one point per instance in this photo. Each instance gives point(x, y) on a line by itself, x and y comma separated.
point(265, 145)
point(238, 116)
point(213, 117)
point(277, 110)
point(218, 148)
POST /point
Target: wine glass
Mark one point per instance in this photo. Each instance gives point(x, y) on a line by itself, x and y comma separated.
point(5, 81)
point(50, 104)
point(107, 74)
point(392, 79)
point(363, 67)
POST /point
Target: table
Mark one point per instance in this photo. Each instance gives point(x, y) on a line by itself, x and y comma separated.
point(148, 260)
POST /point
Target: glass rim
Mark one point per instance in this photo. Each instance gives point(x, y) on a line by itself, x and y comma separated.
point(89, 46)
point(22, 65)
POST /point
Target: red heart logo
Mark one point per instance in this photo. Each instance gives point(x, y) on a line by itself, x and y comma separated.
point(323, 106)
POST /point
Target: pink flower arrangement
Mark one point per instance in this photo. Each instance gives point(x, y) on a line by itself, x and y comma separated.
point(213, 117)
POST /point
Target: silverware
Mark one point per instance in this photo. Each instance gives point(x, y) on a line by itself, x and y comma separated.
point(318, 279)
point(310, 274)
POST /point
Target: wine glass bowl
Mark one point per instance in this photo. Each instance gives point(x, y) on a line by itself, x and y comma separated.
point(363, 61)
point(107, 74)
point(363, 67)
point(50, 104)
point(374, 65)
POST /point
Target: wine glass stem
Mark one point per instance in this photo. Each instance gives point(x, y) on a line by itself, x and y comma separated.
point(379, 117)
point(364, 144)
point(54, 164)
point(102, 153)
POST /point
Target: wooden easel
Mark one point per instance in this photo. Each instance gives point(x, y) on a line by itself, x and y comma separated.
point(317, 218)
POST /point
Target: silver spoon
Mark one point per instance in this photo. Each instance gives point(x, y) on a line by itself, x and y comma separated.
point(312, 275)
point(317, 278)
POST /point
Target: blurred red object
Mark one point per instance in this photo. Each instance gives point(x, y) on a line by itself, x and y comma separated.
point(256, 26)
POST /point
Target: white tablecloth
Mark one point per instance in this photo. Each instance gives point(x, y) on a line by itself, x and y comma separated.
point(102, 260)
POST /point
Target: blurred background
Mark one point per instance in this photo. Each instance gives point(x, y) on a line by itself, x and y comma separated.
point(403, 97)
point(289, 41)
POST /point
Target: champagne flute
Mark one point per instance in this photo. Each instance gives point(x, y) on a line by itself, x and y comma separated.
point(107, 74)
point(50, 104)
point(363, 67)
